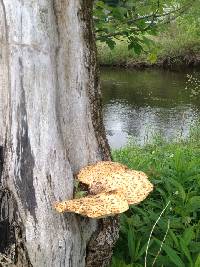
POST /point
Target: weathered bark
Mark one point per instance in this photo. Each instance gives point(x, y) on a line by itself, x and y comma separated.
point(50, 127)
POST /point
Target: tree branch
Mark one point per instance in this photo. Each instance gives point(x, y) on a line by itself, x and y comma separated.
point(154, 16)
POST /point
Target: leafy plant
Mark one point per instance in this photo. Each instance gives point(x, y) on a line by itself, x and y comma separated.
point(174, 169)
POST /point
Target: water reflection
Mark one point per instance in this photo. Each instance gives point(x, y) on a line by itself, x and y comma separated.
point(142, 103)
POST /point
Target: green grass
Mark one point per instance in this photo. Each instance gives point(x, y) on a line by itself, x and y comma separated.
point(178, 41)
point(120, 55)
point(174, 169)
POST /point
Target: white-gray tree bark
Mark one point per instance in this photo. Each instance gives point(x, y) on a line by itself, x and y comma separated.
point(50, 127)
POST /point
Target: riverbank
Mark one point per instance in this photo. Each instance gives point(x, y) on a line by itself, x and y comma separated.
point(177, 46)
point(120, 56)
point(174, 169)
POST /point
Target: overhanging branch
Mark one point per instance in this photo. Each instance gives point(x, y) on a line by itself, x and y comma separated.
point(154, 22)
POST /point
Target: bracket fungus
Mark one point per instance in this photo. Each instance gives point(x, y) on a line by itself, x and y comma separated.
point(96, 206)
point(112, 187)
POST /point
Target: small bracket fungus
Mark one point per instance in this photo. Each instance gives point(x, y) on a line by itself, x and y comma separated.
point(97, 206)
point(112, 188)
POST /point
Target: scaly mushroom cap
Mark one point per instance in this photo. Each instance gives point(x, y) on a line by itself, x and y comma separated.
point(89, 174)
point(106, 176)
point(96, 206)
point(113, 186)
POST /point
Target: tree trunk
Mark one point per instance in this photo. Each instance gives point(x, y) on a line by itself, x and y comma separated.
point(50, 127)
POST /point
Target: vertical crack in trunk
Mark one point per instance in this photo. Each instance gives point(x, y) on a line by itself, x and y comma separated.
point(1, 161)
point(24, 175)
point(100, 246)
point(12, 240)
point(94, 90)
point(5, 39)
point(12, 249)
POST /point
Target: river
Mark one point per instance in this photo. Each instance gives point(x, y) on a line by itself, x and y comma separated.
point(138, 105)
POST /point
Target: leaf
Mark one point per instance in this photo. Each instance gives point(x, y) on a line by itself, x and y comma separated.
point(197, 262)
point(194, 203)
point(173, 256)
point(188, 235)
point(137, 247)
point(131, 244)
point(186, 251)
point(100, 4)
point(110, 43)
point(179, 186)
point(143, 249)
point(136, 46)
point(119, 12)
point(80, 194)
point(195, 247)
point(152, 58)
point(174, 238)
point(171, 253)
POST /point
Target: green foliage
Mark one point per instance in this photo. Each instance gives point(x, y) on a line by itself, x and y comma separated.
point(178, 39)
point(181, 37)
point(134, 21)
point(79, 190)
point(174, 169)
point(122, 21)
point(120, 55)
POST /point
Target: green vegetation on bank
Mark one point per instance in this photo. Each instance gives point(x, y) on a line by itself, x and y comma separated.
point(176, 45)
point(177, 42)
point(174, 169)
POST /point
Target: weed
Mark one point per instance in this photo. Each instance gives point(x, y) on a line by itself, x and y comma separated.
point(174, 169)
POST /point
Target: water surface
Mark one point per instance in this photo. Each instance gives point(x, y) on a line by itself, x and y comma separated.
point(140, 104)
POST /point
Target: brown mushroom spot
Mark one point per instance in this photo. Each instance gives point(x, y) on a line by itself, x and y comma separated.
point(100, 170)
point(98, 206)
point(106, 176)
point(112, 187)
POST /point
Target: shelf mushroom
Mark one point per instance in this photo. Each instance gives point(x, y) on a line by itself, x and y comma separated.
point(106, 176)
point(112, 187)
point(96, 206)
